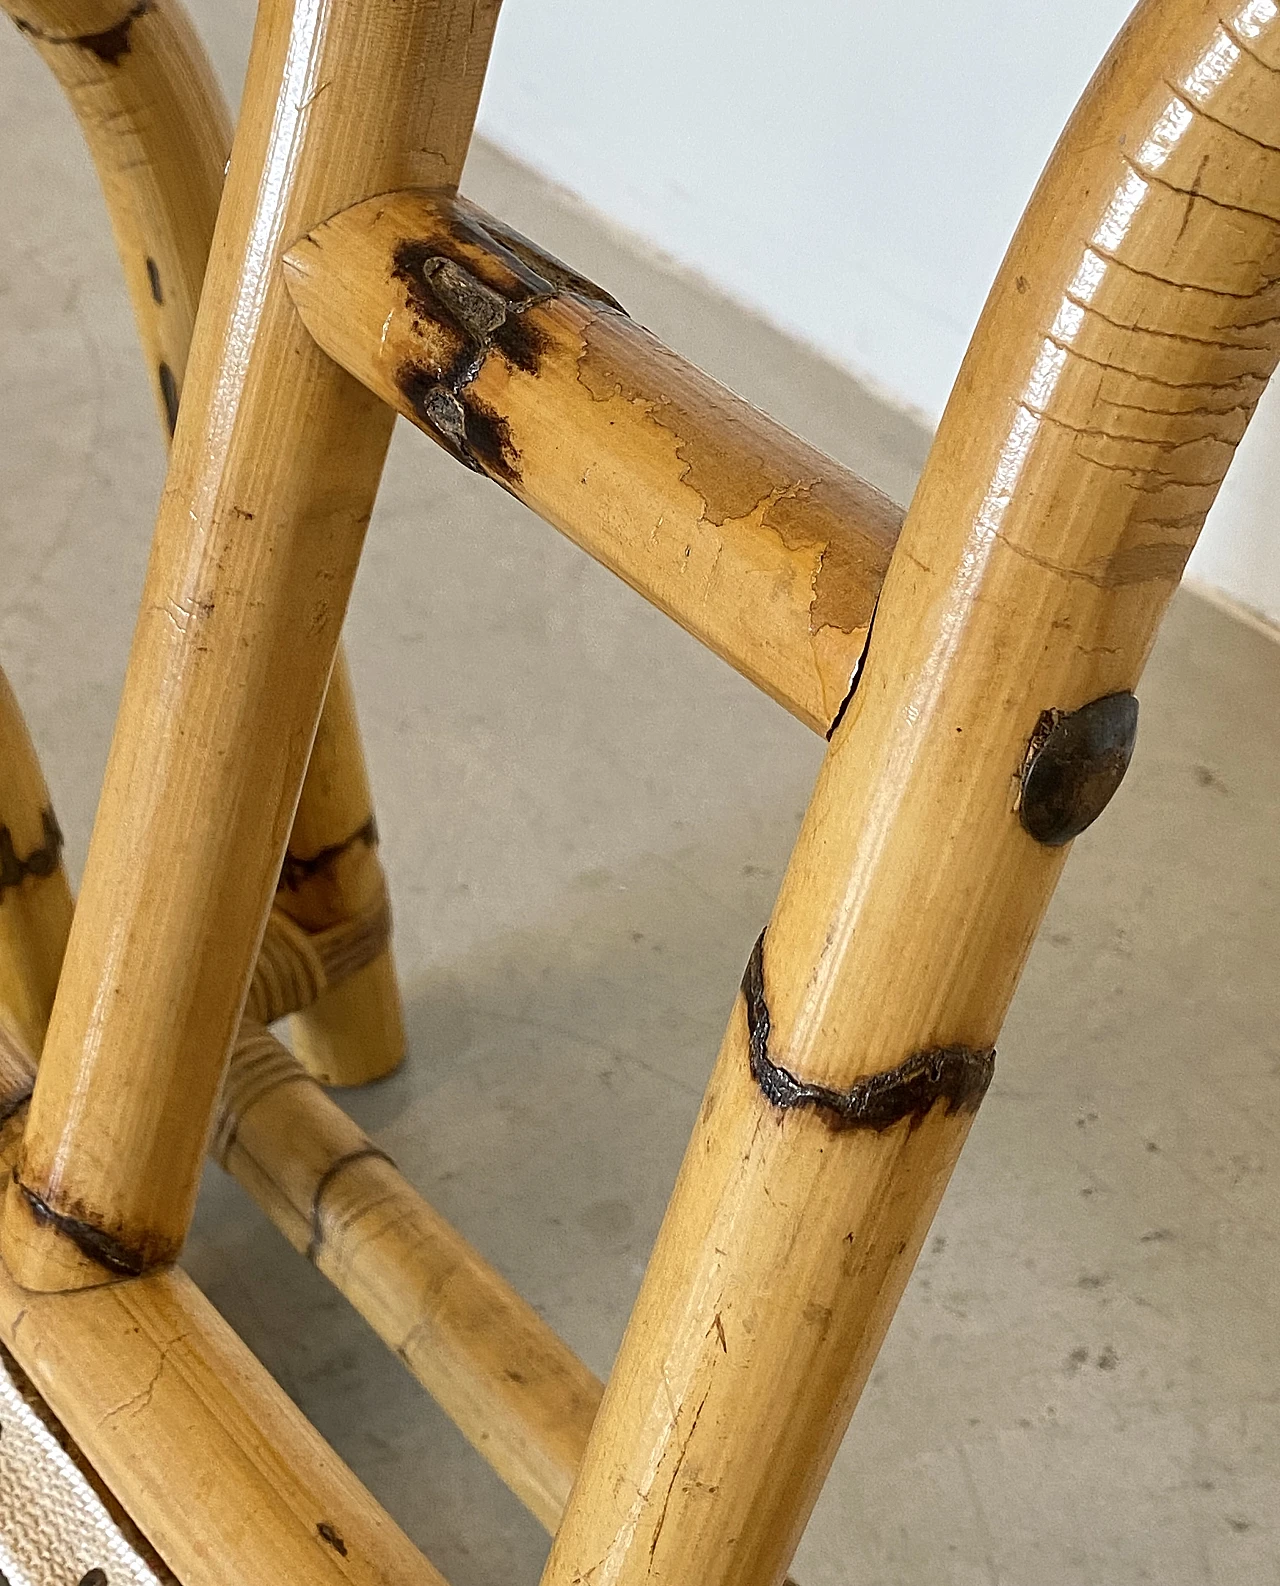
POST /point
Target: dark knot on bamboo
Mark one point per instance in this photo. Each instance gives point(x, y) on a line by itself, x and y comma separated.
point(1074, 763)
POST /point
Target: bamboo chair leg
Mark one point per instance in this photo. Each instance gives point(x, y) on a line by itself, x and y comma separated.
point(1134, 324)
point(155, 122)
point(35, 900)
point(276, 460)
point(353, 1032)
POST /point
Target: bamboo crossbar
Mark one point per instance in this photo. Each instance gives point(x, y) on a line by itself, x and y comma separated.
point(769, 552)
point(518, 1394)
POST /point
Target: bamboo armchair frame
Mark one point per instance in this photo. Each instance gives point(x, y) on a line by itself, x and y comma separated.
point(340, 279)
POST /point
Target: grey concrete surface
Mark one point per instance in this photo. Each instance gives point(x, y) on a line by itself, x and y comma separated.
point(585, 818)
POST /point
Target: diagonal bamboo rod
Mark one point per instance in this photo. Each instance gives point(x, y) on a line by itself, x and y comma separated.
point(1131, 330)
point(35, 899)
point(221, 1472)
point(519, 1395)
point(276, 462)
point(765, 550)
point(154, 120)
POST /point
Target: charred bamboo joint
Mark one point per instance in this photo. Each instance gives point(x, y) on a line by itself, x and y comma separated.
point(1074, 763)
point(474, 285)
point(297, 871)
point(956, 1075)
point(110, 46)
point(41, 861)
point(103, 1249)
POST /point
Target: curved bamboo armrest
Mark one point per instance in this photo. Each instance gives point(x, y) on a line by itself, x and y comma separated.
point(769, 552)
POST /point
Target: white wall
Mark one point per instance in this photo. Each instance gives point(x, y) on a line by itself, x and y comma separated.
point(851, 168)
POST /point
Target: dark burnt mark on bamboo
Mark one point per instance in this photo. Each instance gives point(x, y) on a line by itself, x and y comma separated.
point(338, 1165)
point(295, 872)
point(169, 391)
point(42, 861)
point(956, 1075)
point(105, 1250)
point(330, 1535)
point(1074, 763)
point(474, 286)
point(153, 280)
point(110, 46)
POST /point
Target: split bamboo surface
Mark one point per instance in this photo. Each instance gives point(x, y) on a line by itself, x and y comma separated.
point(35, 899)
point(1130, 332)
point(154, 120)
point(222, 1473)
point(276, 461)
point(764, 549)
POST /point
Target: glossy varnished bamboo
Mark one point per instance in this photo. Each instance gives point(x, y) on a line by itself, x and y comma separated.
point(35, 899)
point(764, 549)
point(154, 120)
point(219, 1469)
point(354, 1032)
point(514, 1389)
point(1130, 332)
point(276, 461)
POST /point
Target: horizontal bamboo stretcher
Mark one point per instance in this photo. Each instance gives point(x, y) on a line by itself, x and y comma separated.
point(760, 546)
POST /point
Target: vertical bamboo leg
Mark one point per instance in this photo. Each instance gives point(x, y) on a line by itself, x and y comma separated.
point(353, 1032)
point(159, 131)
point(1134, 324)
point(35, 900)
point(276, 460)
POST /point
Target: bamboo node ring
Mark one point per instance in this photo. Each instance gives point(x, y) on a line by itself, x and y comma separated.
point(957, 1075)
point(42, 861)
point(102, 1248)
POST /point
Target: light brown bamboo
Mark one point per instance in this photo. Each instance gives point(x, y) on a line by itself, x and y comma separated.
point(209, 1457)
point(159, 132)
point(765, 550)
point(1130, 332)
point(506, 1379)
point(353, 1032)
point(276, 461)
point(35, 899)
point(517, 1393)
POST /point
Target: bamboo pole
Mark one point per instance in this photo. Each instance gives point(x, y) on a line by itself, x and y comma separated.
point(35, 899)
point(353, 1032)
point(514, 1389)
point(1132, 328)
point(154, 120)
point(209, 1457)
point(276, 461)
point(765, 550)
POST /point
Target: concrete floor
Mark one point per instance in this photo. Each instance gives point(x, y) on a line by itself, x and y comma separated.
point(585, 818)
